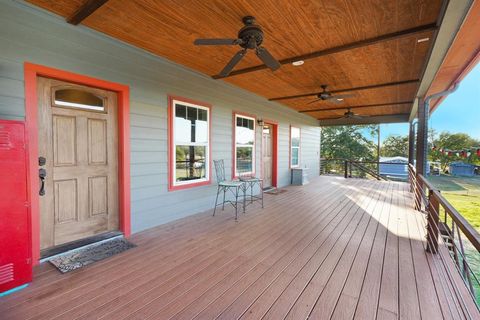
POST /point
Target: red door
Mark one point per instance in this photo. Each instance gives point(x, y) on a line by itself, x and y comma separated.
point(15, 239)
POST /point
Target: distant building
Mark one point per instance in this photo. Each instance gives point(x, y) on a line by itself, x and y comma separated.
point(396, 167)
point(459, 168)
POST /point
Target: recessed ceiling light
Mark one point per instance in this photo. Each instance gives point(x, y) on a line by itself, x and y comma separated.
point(423, 40)
point(298, 63)
point(339, 99)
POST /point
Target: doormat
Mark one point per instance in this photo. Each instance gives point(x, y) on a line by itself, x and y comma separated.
point(81, 257)
point(276, 191)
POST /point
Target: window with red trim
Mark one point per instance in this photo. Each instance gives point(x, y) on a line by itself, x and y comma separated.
point(244, 160)
point(189, 144)
point(294, 147)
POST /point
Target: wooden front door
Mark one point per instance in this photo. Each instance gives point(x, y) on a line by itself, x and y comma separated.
point(78, 139)
point(267, 158)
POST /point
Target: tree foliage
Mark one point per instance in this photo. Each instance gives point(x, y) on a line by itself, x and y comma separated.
point(395, 146)
point(349, 142)
point(453, 141)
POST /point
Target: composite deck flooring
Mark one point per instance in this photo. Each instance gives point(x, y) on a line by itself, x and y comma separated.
point(333, 249)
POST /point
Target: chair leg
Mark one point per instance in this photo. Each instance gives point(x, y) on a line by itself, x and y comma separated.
point(216, 200)
point(223, 203)
point(236, 203)
point(261, 191)
point(252, 185)
point(244, 189)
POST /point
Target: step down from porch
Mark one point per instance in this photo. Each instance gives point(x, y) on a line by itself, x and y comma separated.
point(89, 254)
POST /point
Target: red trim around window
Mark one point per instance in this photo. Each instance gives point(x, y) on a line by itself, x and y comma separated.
point(31, 72)
point(234, 141)
point(290, 148)
point(274, 125)
point(171, 151)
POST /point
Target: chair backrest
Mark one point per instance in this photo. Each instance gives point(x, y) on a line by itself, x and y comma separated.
point(219, 170)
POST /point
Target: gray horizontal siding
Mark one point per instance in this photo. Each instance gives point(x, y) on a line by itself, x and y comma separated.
point(29, 34)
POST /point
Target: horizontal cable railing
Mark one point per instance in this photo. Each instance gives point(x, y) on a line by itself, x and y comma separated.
point(448, 235)
point(364, 169)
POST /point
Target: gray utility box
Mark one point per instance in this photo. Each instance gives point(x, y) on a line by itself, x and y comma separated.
point(299, 176)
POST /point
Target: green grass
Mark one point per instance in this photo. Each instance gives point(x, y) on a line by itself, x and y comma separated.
point(464, 195)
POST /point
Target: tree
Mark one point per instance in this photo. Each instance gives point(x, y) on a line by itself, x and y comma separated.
point(349, 142)
point(395, 146)
point(453, 141)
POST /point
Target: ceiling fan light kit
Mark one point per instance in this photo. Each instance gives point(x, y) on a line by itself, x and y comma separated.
point(250, 37)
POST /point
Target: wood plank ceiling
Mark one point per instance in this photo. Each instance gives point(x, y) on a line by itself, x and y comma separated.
point(292, 28)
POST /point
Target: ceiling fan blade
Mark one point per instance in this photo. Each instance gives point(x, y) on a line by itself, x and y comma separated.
point(314, 101)
point(233, 62)
point(267, 58)
point(216, 42)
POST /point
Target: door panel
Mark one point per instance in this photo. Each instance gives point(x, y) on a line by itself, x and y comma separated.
point(267, 159)
point(80, 146)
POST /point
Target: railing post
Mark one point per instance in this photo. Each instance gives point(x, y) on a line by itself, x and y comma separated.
point(418, 193)
point(346, 169)
point(433, 219)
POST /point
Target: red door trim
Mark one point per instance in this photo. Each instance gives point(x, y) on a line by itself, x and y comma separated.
point(31, 72)
point(274, 125)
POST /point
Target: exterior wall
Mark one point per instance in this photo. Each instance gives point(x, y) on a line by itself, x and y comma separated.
point(29, 34)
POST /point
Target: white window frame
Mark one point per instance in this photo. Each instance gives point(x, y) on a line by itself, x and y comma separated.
point(295, 147)
point(176, 183)
point(239, 115)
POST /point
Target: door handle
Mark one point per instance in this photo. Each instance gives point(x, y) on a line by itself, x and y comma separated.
point(42, 174)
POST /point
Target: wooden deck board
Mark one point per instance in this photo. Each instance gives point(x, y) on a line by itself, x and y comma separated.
point(334, 249)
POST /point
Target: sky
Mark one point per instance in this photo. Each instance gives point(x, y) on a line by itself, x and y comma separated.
point(459, 112)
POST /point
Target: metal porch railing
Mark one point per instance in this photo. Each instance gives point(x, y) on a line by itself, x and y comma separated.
point(448, 234)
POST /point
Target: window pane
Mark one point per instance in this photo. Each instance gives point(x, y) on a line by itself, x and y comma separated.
point(243, 134)
point(190, 163)
point(180, 111)
point(80, 99)
point(250, 124)
point(244, 159)
point(295, 156)
point(202, 115)
point(295, 137)
point(201, 131)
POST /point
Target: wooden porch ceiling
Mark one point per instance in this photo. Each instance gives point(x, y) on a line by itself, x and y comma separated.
point(345, 44)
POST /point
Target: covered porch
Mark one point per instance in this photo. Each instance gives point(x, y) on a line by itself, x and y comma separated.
point(334, 249)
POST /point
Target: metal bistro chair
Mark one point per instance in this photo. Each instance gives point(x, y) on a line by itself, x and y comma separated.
point(235, 187)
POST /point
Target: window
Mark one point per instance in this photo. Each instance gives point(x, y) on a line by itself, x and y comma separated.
point(244, 160)
point(294, 147)
point(78, 99)
point(189, 144)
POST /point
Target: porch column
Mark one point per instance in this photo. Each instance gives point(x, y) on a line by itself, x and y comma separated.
point(411, 143)
point(422, 137)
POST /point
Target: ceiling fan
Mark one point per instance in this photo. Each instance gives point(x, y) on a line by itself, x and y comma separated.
point(349, 115)
point(327, 95)
point(250, 37)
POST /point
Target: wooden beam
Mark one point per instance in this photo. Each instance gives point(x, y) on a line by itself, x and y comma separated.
point(391, 118)
point(360, 106)
point(375, 86)
point(85, 10)
point(346, 47)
